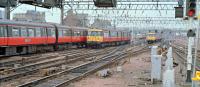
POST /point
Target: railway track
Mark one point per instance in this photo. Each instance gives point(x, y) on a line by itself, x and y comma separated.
point(63, 78)
point(38, 53)
point(181, 53)
point(61, 60)
point(23, 60)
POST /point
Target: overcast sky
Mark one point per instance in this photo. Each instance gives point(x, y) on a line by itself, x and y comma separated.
point(52, 15)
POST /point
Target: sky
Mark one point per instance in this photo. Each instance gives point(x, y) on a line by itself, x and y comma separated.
point(52, 15)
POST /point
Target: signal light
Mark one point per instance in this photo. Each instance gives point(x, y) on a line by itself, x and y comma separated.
point(191, 8)
point(191, 12)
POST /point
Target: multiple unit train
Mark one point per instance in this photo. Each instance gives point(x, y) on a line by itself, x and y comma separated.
point(105, 37)
point(26, 37)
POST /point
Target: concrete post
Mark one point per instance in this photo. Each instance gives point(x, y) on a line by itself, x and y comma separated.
point(189, 59)
point(168, 75)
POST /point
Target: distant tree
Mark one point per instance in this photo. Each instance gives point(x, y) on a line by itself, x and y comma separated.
point(101, 23)
point(71, 19)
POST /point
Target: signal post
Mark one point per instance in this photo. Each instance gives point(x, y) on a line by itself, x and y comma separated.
point(191, 6)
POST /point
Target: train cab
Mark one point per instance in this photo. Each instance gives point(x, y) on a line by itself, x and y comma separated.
point(95, 36)
point(151, 38)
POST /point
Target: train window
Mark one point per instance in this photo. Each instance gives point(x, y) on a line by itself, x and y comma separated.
point(116, 34)
point(15, 32)
point(48, 32)
point(24, 32)
point(77, 33)
point(60, 33)
point(31, 33)
point(113, 34)
point(43, 32)
point(81, 33)
point(119, 34)
point(66, 33)
point(5, 31)
point(2, 31)
point(106, 34)
point(125, 34)
point(38, 32)
point(53, 33)
point(95, 33)
point(85, 33)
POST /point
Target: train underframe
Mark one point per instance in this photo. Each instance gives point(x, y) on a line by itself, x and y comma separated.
point(18, 50)
point(153, 41)
point(106, 44)
point(30, 49)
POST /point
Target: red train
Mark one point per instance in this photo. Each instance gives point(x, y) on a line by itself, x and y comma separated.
point(27, 37)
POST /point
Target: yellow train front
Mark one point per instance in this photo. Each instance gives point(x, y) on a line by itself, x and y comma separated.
point(94, 38)
point(152, 38)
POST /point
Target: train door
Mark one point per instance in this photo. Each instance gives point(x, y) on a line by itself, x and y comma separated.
point(3, 36)
point(44, 34)
point(24, 35)
point(51, 36)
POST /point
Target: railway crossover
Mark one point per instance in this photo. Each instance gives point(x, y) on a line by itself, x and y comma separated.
point(23, 72)
point(63, 78)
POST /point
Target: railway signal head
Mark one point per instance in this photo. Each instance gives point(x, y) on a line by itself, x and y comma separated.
point(191, 33)
point(191, 8)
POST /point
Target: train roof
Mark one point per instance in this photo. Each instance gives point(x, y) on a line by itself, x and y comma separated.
point(69, 27)
point(151, 33)
point(97, 29)
point(80, 28)
point(24, 23)
point(94, 29)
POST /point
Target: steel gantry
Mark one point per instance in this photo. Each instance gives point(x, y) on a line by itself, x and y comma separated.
point(130, 12)
point(125, 9)
point(146, 21)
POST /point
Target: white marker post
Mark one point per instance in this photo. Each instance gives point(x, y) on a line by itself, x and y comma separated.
point(155, 64)
point(190, 35)
point(168, 75)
